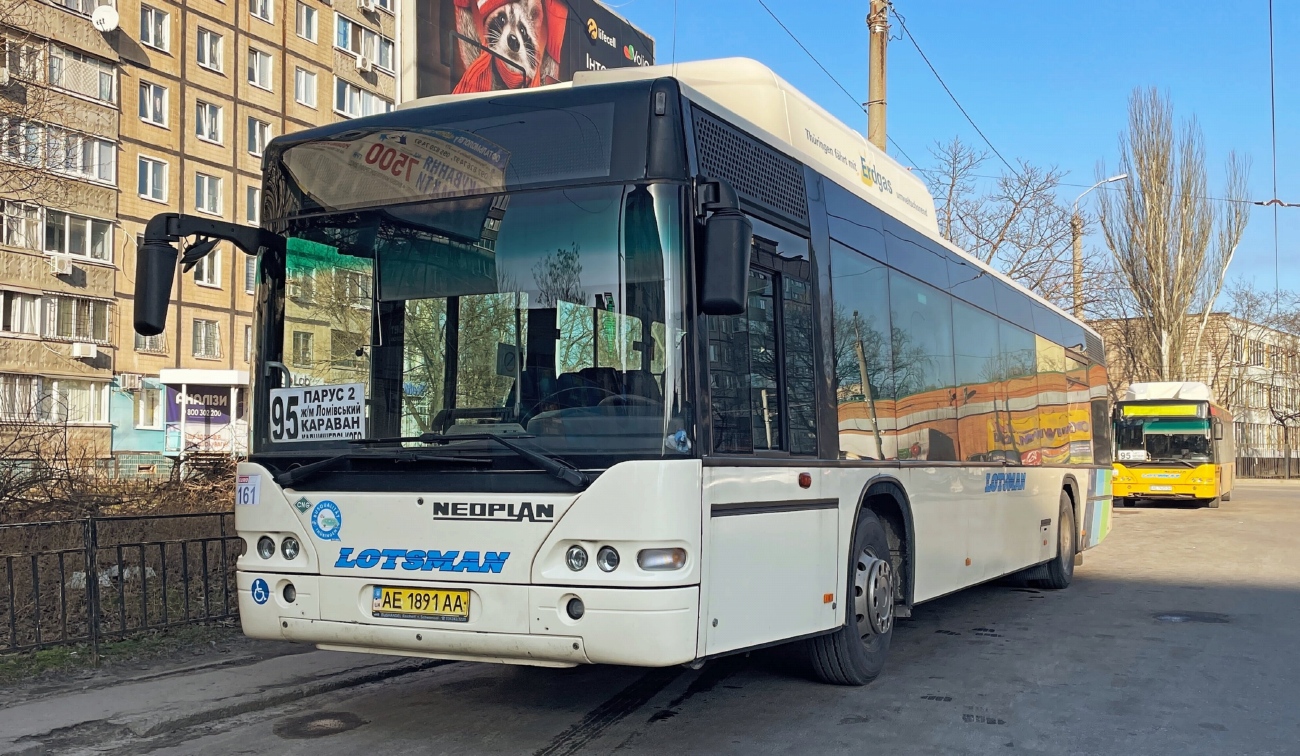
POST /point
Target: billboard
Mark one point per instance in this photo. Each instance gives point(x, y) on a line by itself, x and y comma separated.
point(487, 45)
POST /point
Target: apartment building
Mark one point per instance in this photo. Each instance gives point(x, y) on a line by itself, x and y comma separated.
point(205, 85)
point(60, 244)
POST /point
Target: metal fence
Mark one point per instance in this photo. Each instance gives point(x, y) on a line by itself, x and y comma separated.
point(1267, 467)
point(105, 578)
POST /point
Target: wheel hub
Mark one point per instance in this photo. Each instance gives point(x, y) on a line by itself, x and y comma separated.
point(873, 594)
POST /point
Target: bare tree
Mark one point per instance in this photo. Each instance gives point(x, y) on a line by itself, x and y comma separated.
point(1172, 244)
point(27, 103)
point(1019, 226)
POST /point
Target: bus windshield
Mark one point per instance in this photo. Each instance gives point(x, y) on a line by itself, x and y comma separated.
point(552, 313)
point(1155, 440)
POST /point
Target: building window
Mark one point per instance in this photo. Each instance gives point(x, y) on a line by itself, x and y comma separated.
point(23, 60)
point(207, 339)
point(207, 193)
point(155, 27)
point(207, 121)
point(259, 133)
point(209, 49)
point(363, 42)
point(84, 7)
point(19, 314)
point(385, 4)
point(76, 319)
point(151, 344)
point(21, 140)
point(353, 101)
point(78, 401)
point(148, 409)
point(207, 271)
point(248, 343)
point(253, 206)
point(306, 22)
point(79, 155)
point(153, 104)
point(22, 225)
point(261, 9)
point(302, 348)
point(304, 87)
point(20, 397)
point(152, 179)
point(67, 234)
point(83, 74)
point(259, 69)
point(250, 274)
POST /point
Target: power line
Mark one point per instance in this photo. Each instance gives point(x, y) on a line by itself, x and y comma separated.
point(906, 31)
point(1104, 188)
point(831, 76)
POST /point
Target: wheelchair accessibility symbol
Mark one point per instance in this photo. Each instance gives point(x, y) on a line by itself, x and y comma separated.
point(261, 591)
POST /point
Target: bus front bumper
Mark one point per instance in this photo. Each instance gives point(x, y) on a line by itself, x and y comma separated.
point(1180, 491)
point(512, 624)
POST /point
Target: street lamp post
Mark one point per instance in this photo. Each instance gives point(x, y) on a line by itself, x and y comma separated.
point(1076, 236)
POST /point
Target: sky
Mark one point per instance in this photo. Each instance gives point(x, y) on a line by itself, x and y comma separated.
point(1047, 81)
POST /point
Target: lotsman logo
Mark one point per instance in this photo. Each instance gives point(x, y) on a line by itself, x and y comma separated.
point(424, 561)
point(1004, 482)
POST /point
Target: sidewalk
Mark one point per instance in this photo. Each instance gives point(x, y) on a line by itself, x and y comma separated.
point(178, 697)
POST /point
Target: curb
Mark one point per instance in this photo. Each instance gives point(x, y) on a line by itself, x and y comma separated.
point(163, 723)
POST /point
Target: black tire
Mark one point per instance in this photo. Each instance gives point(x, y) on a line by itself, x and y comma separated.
point(1120, 502)
point(1212, 503)
point(855, 654)
point(1060, 571)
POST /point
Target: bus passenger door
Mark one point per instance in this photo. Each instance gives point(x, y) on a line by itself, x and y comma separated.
point(771, 540)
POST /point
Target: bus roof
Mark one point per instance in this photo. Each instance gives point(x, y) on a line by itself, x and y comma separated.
point(757, 100)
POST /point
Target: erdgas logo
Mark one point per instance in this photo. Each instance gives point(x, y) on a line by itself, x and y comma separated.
point(423, 561)
point(493, 511)
point(873, 177)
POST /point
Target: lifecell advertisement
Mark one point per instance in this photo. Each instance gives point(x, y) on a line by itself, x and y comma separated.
point(487, 45)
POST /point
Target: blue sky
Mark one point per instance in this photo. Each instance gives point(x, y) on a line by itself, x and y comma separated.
point(1047, 81)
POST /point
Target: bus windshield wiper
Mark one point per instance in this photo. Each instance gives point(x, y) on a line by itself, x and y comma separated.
point(558, 468)
point(299, 474)
point(1179, 460)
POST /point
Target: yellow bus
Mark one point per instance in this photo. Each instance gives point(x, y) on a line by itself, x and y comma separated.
point(1173, 443)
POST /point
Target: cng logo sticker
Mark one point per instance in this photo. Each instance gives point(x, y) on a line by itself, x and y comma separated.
point(326, 520)
point(302, 505)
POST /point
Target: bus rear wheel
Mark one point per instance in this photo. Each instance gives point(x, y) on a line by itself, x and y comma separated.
point(855, 654)
point(1060, 571)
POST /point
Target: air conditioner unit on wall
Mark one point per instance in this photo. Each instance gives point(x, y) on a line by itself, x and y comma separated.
point(61, 265)
point(130, 381)
point(364, 65)
point(84, 351)
point(366, 5)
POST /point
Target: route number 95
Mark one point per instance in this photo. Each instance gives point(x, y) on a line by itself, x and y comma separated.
point(284, 418)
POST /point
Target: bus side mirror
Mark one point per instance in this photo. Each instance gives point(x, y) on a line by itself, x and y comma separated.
point(1218, 430)
point(155, 268)
point(724, 256)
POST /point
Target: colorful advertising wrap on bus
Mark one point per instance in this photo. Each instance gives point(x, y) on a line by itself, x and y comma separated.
point(487, 45)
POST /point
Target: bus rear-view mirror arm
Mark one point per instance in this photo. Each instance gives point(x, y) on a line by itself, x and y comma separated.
point(723, 257)
point(155, 266)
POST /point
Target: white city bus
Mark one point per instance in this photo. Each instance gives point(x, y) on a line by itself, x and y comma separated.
point(653, 367)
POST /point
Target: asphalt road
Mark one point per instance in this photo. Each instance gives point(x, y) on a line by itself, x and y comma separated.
point(996, 669)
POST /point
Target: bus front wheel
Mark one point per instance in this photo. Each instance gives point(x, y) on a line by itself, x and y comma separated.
point(855, 654)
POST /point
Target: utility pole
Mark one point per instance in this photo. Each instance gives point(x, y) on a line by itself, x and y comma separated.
point(1076, 235)
point(878, 23)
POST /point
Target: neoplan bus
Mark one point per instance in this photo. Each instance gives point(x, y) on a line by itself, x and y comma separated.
point(1173, 444)
point(655, 366)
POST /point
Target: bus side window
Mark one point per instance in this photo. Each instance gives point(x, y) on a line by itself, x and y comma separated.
point(924, 380)
point(863, 355)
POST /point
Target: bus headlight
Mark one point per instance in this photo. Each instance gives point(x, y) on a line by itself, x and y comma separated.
point(661, 559)
point(576, 558)
point(265, 547)
point(290, 547)
point(607, 559)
